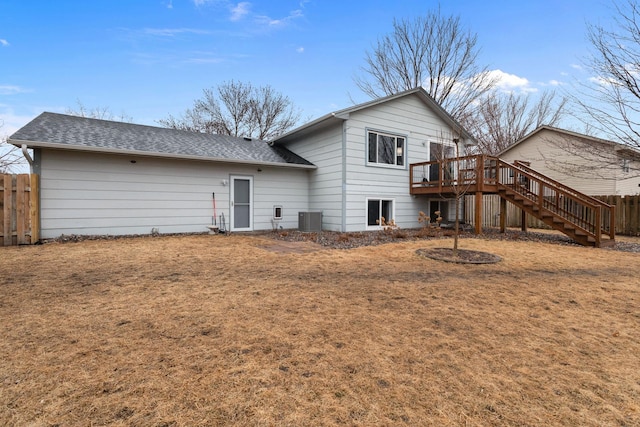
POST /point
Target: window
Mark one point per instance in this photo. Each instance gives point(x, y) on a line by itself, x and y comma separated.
point(379, 208)
point(625, 165)
point(386, 149)
point(277, 212)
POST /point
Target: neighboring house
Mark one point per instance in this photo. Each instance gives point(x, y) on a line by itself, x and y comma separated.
point(104, 177)
point(593, 166)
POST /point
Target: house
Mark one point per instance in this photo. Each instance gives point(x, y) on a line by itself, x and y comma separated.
point(593, 166)
point(103, 177)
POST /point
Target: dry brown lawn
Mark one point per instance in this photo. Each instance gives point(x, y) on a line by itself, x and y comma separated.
point(249, 331)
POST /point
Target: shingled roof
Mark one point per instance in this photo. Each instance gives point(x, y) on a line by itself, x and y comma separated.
point(61, 131)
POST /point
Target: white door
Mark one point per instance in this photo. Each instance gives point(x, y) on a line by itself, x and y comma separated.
point(241, 203)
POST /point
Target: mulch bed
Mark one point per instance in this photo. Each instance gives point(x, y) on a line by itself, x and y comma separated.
point(463, 256)
point(350, 240)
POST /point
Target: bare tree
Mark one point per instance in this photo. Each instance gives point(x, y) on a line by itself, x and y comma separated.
point(610, 102)
point(10, 156)
point(456, 170)
point(501, 119)
point(432, 51)
point(238, 109)
point(103, 113)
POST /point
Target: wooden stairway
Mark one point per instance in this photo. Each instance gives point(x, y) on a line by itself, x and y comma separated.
point(584, 219)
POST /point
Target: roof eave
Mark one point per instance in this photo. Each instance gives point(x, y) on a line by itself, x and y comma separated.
point(341, 115)
point(37, 144)
point(310, 126)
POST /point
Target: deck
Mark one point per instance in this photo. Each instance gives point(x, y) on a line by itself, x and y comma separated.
point(583, 218)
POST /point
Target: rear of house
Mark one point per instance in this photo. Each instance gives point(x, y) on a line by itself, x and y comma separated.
point(363, 155)
point(108, 178)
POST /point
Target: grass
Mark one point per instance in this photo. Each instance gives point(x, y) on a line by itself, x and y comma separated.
point(244, 330)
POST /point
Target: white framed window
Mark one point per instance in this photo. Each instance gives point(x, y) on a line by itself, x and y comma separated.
point(386, 149)
point(378, 208)
point(277, 212)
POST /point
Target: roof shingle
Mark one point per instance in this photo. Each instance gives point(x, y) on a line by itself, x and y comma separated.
point(78, 133)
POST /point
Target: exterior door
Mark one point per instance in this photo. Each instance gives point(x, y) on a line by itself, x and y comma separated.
point(241, 203)
point(437, 153)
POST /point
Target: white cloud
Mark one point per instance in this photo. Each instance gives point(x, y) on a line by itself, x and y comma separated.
point(240, 10)
point(10, 122)
point(171, 32)
point(576, 66)
point(273, 23)
point(602, 81)
point(300, 49)
point(170, 4)
point(555, 83)
point(510, 82)
point(204, 60)
point(11, 90)
point(3, 42)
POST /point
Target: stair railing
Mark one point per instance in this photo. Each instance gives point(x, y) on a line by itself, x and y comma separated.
point(582, 211)
point(607, 220)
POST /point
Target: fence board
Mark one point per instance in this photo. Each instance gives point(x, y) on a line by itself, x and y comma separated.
point(19, 209)
point(7, 209)
point(22, 208)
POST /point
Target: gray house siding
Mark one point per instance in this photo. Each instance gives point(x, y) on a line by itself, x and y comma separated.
point(97, 193)
point(344, 181)
point(324, 149)
point(407, 117)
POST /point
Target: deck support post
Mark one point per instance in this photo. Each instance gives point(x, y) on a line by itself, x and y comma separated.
point(503, 215)
point(523, 219)
point(478, 212)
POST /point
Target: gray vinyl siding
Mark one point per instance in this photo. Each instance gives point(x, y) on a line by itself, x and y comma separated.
point(324, 149)
point(100, 194)
point(407, 117)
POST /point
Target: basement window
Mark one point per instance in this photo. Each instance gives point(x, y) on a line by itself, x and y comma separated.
point(377, 209)
point(277, 212)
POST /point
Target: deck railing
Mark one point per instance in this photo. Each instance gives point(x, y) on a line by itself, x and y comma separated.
point(461, 172)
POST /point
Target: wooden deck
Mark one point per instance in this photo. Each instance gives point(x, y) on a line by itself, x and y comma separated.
point(583, 218)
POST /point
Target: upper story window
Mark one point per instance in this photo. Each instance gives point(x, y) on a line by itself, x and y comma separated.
point(386, 149)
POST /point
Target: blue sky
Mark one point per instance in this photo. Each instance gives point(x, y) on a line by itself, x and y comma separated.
point(151, 58)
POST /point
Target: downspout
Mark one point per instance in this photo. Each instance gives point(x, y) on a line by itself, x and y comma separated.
point(344, 176)
point(27, 156)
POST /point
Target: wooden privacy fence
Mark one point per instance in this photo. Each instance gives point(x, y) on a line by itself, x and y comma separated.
point(19, 210)
point(627, 212)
